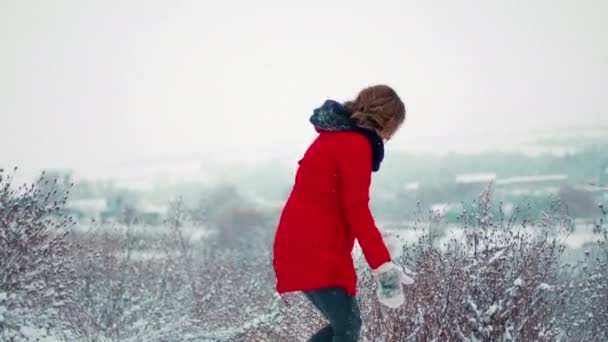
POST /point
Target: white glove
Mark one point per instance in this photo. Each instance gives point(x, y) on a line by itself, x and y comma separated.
point(390, 279)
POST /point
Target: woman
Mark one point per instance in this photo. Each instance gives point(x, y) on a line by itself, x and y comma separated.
point(328, 209)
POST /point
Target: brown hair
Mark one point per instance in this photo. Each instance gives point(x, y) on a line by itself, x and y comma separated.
point(379, 108)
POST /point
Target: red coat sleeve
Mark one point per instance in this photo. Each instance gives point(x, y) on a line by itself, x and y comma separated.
point(355, 170)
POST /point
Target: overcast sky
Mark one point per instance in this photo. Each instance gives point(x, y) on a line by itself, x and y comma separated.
point(95, 82)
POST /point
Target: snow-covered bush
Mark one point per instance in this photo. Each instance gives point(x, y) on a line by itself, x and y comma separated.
point(501, 281)
point(170, 287)
point(35, 274)
point(130, 288)
point(497, 283)
point(234, 273)
point(587, 313)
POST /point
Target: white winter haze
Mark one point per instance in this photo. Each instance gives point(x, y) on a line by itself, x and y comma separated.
point(85, 83)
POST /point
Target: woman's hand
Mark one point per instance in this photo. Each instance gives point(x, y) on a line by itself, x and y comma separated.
point(390, 278)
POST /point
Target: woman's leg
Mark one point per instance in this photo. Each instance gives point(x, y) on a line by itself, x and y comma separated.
point(325, 334)
point(342, 312)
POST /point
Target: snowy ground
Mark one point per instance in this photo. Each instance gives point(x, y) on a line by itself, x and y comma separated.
point(191, 283)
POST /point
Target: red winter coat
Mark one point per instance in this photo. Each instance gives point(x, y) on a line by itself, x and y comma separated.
point(327, 210)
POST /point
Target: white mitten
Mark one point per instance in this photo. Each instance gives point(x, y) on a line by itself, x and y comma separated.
point(395, 248)
point(390, 278)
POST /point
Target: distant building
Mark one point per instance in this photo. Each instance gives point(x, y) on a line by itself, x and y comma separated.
point(412, 186)
point(470, 184)
point(537, 185)
point(475, 178)
point(533, 180)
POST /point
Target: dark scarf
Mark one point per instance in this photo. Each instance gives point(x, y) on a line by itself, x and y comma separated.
point(335, 117)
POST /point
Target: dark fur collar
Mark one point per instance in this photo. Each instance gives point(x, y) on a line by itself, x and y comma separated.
point(334, 116)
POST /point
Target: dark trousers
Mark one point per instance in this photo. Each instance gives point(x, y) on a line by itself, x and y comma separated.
point(342, 312)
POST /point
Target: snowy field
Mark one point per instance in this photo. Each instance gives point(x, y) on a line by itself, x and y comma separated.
point(218, 294)
point(532, 278)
